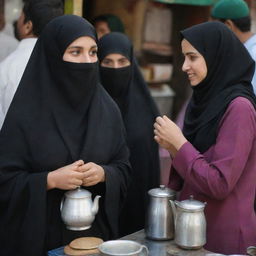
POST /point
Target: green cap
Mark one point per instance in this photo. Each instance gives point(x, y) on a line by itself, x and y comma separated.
point(230, 9)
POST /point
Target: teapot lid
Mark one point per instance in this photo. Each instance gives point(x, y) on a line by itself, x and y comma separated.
point(191, 204)
point(162, 191)
point(78, 193)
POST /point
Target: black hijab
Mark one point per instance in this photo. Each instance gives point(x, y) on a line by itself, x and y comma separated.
point(229, 72)
point(59, 114)
point(128, 88)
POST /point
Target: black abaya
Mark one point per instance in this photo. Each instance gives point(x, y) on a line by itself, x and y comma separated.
point(59, 114)
point(128, 88)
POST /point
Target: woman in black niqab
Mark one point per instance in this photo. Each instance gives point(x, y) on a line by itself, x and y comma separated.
point(59, 114)
point(129, 90)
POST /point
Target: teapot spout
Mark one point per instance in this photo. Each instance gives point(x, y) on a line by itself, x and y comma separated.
point(95, 206)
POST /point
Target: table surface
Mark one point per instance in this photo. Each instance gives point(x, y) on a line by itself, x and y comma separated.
point(156, 248)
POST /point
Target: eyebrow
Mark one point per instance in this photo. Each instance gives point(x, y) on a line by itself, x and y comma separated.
point(79, 47)
point(190, 53)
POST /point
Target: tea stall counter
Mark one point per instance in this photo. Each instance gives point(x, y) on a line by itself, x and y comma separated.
point(163, 248)
point(156, 248)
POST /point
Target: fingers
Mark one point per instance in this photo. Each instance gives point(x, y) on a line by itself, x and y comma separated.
point(157, 126)
point(165, 118)
point(76, 182)
point(157, 139)
point(160, 120)
point(88, 184)
point(86, 167)
point(91, 180)
point(78, 163)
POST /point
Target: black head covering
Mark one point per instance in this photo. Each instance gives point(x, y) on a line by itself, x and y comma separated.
point(128, 88)
point(229, 72)
point(59, 114)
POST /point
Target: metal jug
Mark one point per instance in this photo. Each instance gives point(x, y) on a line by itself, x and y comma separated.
point(77, 209)
point(159, 219)
point(190, 223)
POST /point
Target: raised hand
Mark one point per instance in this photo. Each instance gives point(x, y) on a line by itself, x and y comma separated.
point(168, 135)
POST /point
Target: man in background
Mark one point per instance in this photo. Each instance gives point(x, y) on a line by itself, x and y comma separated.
point(236, 15)
point(107, 23)
point(34, 16)
point(7, 43)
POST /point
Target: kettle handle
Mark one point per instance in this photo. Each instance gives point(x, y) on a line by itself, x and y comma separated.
point(174, 211)
point(61, 203)
point(144, 250)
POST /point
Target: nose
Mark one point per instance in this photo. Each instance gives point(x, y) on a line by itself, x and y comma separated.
point(87, 58)
point(116, 64)
point(185, 66)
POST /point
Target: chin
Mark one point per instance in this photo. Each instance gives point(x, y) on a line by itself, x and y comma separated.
point(194, 83)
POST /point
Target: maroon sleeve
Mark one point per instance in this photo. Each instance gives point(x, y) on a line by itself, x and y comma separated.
point(216, 172)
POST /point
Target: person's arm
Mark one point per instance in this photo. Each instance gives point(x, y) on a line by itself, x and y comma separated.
point(175, 180)
point(217, 178)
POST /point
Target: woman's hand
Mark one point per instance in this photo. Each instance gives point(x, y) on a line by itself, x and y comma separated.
point(93, 174)
point(168, 135)
point(67, 177)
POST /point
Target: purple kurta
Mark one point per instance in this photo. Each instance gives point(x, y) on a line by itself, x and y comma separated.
point(224, 177)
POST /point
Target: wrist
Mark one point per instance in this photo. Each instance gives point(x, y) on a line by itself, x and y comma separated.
point(103, 175)
point(173, 150)
point(50, 181)
point(181, 142)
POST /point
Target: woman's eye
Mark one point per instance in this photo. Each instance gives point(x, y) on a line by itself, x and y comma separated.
point(106, 62)
point(124, 62)
point(93, 53)
point(75, 53)
point(193, 57)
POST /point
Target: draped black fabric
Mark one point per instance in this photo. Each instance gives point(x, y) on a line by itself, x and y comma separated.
point(229, 72)
point(59, 114)
point(128, 88)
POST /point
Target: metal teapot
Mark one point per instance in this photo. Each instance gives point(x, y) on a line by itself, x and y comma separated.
point(77, 209)
point(159, 219)
point(190, 223)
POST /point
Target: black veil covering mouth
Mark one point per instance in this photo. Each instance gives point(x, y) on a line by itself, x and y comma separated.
point(230, 69)
point(59, 114)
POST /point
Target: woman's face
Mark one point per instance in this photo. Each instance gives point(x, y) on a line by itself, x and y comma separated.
point(194, 64)
point(82, 50)
point(102, 28)
point(115, 60)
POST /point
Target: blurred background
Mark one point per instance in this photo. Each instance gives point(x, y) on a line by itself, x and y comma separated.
point(153, 26)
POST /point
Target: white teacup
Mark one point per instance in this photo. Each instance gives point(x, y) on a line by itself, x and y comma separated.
point(122, 248)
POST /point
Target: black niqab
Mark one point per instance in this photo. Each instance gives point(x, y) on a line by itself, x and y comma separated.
point(128, 88)
point(230, 70)
point(116, 81)
point(59, 114)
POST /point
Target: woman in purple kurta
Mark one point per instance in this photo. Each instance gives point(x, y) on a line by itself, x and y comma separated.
point(214, 158)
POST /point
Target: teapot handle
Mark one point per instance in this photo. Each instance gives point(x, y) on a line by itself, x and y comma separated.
point(145, 249)
point(174, 211)
point(61, 203)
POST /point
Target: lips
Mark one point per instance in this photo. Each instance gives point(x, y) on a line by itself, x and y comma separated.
point(190, 75)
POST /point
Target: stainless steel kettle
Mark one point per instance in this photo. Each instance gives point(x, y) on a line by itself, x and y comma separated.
point(190, 223)
point(159, 219)
point(77, 209)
